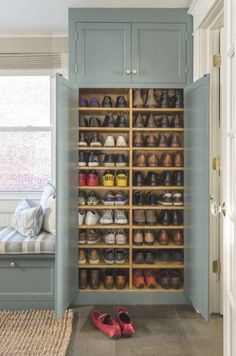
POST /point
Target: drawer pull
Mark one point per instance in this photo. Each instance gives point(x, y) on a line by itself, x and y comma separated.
point(12, 264)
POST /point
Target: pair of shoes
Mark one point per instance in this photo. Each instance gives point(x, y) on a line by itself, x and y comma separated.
point(141, 257)
point(92, 140)
point(119, 179)
point(112, 198)
point(120, 121)
point(91, 178)
point(170, 218)
point(175, 256)
point(142, 120)
point(151, 140)
point(149, 198)
point(141, 217)
point(88, 218)
point(170, 279)
point(89, 237)
point(141, 237)
point(150, 217)
point(163, 237)
point(91, 160)
point(149, 257)
point(119, 103)
point(170, 121)
point(142, 279)
point(117, 217)
point(92, 102)
point(88, 199)
point(111, 256)
point(112, 160)
point(152, 160)
point(113, 329)
point(154, 179)
point(91, 255)
point(117, 278)
point(113, 237)
point(119, 141)
point(106, 102)
point(90, 278)
point(93, 121)
point(143, 98)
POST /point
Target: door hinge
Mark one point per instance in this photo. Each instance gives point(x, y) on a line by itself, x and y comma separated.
point(216, 266)
point(216, 163)
point(217, 60)
point(76, 68)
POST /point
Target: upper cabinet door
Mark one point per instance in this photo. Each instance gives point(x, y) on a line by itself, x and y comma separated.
point(159, 53)
point(103, 52)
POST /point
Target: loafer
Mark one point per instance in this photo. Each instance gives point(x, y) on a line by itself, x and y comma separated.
point(105, 324)
point(138, 237)
point(138, 257)
point(163, 237)
point(149, 257)
point(138, 179)
point(149, 237)
point(107, 102)
point(124, 320)
point(178, 238)
point(138, 279)
point(164, 257)
point(164, 280)
point(150, 279)
point(121, 102)
point(108, 279)
point(120, 279)
point(176, 280)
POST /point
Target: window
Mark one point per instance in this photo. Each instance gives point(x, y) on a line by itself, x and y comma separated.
point(25, 133)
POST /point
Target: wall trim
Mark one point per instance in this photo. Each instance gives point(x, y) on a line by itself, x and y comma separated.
point(202, 9)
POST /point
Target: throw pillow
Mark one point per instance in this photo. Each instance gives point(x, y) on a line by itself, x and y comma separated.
point(49, 215)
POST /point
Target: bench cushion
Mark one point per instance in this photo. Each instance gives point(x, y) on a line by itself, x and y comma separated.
point(11, 242)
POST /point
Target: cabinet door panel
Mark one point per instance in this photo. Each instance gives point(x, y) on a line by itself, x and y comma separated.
point(103, 52)
point(159, 53)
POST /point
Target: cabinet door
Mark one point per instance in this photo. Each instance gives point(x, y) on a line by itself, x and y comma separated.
point(66, 186)
point(197, 183)
point(103, 52)
point(159, 53)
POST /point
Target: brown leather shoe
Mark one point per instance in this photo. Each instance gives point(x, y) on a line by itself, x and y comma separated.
point(138, 279)
point(139, 217)
point(150, 279)
point(151, 122)
point(163, 237)
point(151, 217)
point(166, 160)
point(108, 279)
point(83, 278)
point(162, 141)
point(149, 238)
point(138, 101)
point(175, 141)
point(138, 140)
point(82, 257)
point(158, 97)
point(140, 160)
point(150, 101)
point(151, 140)
point(94, 279)
point(152, 160)
point(178, 238)
point(120, 279)
point(178, 160)
point(138, 237)
point(139, 121)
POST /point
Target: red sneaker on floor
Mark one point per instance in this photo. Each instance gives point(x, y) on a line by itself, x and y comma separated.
point(125, 322)
point(105, 324)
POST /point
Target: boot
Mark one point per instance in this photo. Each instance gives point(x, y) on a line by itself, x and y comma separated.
point(150, 102)
point(138, 101)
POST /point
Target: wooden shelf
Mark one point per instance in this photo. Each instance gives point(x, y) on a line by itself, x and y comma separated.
point(103, 148)
point(104, 129)
point(158, 227)
point(103, 289)
point(158, 149)
point(157, 289)
point(158, 168)
point(101, 109)
point(157, 246)
point(157, 207)
point(102, 245)
point(158, 129)
point(160, 187)
point(103, 207)
point(158, 265)
point(99, 187)
point(99, 226)
point(105, 265)
point(104, 168)
point(160, 110)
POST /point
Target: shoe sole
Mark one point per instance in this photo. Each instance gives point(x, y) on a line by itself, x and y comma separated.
point(83, 145)
point(120, 262)
point(106, 222)
point(121, 222)
point(83, 242)
point(109, 164)
point(95, 144)
point(165, 204)
point(82, 262)
point(93, 242)
point(110, 242)
point(178, 204)
point(123, 242)
point(109, 262)
point(107, 204)
point(121, 203)
point(95, 262)
point(82, 164)
point(95, 164)
point(121, 165)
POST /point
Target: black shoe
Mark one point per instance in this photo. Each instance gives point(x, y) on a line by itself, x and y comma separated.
point(138, 198)
point(138, 179)
point(178, 178)
point(177, 256)
point(149, 257)
point(138, 257)
point(121, 160)
point(82, 159)
point(93, 160)
point(94, 122)
point(109, 121)
point(109, 160)
point(166, 179)
point(164, 256)
point(83, 122)
point(83, 140)
point(164, 122)
point(176, 122)
point(151, 199)
point(120, 102)
point(121, 121)
point(152, 179)
point(107, 102)
point(165, 218)
point(177, 218)
point(95, 140)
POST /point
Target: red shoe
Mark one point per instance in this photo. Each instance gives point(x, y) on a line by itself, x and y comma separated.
point(124, 319)
point(105, 324)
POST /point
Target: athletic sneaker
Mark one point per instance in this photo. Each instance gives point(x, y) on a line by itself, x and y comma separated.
point(121, 141)
point(108, 178)
point(108, 256)
point(120, 217)
point(108, 198)
point(121, 179)
point(178, 198)
point(82, 198)
point(120, 256)
point(93, 237)
point(109, 237)
point(82, 257)
point(109, 141)
point(92, 198)
point(82, 237)
point(96, 140)
point(166, 199)
point(82, 159)
point(92, 217)
point(93, 160)
point(81, 217)
point(120, 198)
point(93, 256)
point(107, 217)
point(121, 237)
point(82, 140)
point(109, 160)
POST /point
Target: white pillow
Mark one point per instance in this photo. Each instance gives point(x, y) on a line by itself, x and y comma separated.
point(49, 190)
point(28, 218)
point(49, 215)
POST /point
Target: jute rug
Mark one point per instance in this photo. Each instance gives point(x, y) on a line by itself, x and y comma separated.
point(34, 333)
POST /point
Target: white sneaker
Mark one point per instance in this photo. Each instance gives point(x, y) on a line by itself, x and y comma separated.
point(121, 237)
point(109, 238)
point(121, 141)
point(92, 218)
point(109, 141)
point(81, 217)
point(107, 217)
point(120, 217)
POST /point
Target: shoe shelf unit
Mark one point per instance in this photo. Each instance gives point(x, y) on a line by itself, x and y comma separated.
point(130, 151)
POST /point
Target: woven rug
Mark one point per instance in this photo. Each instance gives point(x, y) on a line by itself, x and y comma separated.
point(34, 333)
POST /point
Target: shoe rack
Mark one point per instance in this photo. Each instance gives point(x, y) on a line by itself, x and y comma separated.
point(129, 208)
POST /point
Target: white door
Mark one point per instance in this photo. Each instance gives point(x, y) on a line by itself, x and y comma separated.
point(229, 180)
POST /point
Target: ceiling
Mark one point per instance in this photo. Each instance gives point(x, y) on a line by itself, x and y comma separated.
point(41, 17)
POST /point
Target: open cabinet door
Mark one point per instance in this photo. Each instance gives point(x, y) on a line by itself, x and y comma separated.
point(196, 216)
point(66, 185)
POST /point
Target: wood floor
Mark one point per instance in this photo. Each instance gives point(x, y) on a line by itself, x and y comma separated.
point(160, 330)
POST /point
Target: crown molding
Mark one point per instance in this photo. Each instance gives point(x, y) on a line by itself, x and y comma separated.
point(200, 9)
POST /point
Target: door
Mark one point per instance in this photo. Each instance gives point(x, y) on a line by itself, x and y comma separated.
point(66, 186)
point(103, 53)
point(196, 216)
point(159, 53)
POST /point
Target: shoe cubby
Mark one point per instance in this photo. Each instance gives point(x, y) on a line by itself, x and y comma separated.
point(144, 132)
